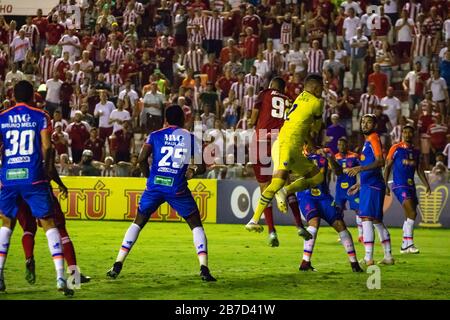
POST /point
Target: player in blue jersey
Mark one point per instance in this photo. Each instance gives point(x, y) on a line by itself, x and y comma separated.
point(371, 192)
point(403, 160)
point(346, 159)
point(316, 204)
point(171, 149)
point(26, 165)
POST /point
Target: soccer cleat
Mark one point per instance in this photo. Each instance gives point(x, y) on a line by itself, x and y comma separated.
point(306, 266)
point(364, 264)
point(84, 279)
point(410, 249)
point(356, 267)
point(61, 285)
point(253, 226)
point(205, 274)
point(387, 262)
point(302, 232)
point(115, 270)
point(281, 197)
point(2, 285)
point(30, 271)
point(273, 239)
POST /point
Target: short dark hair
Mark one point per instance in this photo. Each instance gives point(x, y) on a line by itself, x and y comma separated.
point(23, 91)
point(314, 77)
point(408, 126)
point(343, 139)
point(175, 115)
point(280, 83)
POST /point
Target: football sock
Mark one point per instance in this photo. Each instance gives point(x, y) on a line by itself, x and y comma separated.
point(69, 250)
point(304, 183)
point(5, 236)
point(266, 197)
point(359, 225)
point(347, 242)
point(385, 239)
point(368, 236)
point(56, 250)
point(408, 233)
point(201, 245)
point(28, 244)
point(308, 246)
point(268, 215)
point(128, 241)
point(293, 204)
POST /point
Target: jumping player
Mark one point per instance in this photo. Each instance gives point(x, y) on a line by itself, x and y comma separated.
point(27, 162)
point(371, 192)
point(403, 160)
point(303, 119)
point(171, 149)
point(346, 159)
point(268, 115)
point(29, 226)
point(316, 204)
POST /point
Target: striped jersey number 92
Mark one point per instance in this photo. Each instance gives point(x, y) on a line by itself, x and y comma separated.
point(21, 142)
point(176, 155)
point(280, 107)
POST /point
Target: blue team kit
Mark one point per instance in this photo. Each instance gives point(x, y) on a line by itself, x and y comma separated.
point(22, 172)
point(344, 181)
point(172, 148)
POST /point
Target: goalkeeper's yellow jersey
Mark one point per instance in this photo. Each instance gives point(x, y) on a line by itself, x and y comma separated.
point(298, 124)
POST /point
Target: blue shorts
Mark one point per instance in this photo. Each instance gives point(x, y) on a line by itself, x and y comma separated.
point(183, 203)
point(323, 208)
point(342, 197)
point(405, 193)
point(371, 200)
point(37, 196)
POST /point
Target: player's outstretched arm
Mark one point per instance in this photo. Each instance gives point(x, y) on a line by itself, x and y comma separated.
point(145, 153)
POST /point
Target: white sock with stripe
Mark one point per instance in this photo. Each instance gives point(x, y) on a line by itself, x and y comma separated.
point(308, 246)
point(359, 225)
point(368, 236)
point(385, 239)
point(56, 250)
point(347, 242)
point(408, 233)
point(201, 245)
point(128, 241)
point(5, 237)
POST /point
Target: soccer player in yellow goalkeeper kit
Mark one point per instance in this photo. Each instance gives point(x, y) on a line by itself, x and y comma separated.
point(303, 120)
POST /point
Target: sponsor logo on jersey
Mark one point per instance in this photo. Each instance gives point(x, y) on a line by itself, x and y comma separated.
point(163, 181)
point(19, 160)
point(344, 185)
point(17, 174)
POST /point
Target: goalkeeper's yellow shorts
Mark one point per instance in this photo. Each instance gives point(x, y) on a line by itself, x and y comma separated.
point(289, 157)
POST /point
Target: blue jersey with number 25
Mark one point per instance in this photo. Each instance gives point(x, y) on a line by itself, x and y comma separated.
point(20, 130)
point(172, 148)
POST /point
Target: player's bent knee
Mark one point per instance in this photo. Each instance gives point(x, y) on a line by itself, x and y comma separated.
point(141, 219)
point(339, 225)
point(194, 220)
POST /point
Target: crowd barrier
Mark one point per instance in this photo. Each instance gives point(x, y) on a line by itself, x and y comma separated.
point(220, 201)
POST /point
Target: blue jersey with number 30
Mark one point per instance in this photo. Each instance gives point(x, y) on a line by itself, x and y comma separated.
point(172, 150)
point(20, 130)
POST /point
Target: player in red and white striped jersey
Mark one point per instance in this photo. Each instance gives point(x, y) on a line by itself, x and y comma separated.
point(31, 32)
point(368, 101)
point(315, 58)
point(46, 65)
point(253, 79)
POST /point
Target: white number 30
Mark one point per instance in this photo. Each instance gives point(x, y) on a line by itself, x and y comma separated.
point(22, 142)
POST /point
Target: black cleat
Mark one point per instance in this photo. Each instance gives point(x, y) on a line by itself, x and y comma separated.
point(30, 271)
point(205, 274)
point(2, 285)
point(356, 267)
point(84, 279)
point(306, 266)
point(115, 270)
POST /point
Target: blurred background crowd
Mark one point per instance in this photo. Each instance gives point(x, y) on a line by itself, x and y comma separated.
point(105, 70)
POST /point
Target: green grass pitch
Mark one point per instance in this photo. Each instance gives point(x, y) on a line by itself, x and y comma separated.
point(163, 265)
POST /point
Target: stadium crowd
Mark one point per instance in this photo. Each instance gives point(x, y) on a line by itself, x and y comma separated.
point(105, 70)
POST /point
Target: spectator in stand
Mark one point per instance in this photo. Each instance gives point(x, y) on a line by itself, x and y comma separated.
point(96, 145)
point(446, 153)
point(351, 24)
point(210, 98)
point(71, 43)
point(391, 106)
point(438, 87)
point(78, 133)
point(119, 116)
point(414, 85)
point(384, 127)
point(103, 111)
point(438, 132)
point(439, 173)
point(386, 59)
point(66, 92)
point(151, 117)
point(211, 68)
point(379, 80)
point(315, 58)
point(251, 45)
point(334, 132)
point(87, 167)
point(228, 51)
point(14, 75)
point(207, 118)
point(423, 124)
point(344, 107)
point(20, 45)
point(404, 28)
point(108, 169)
point(124, 141)
point(86, 116)
point(232, 109)
point(358, 45)
point(60, 139)
point(53, 97)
